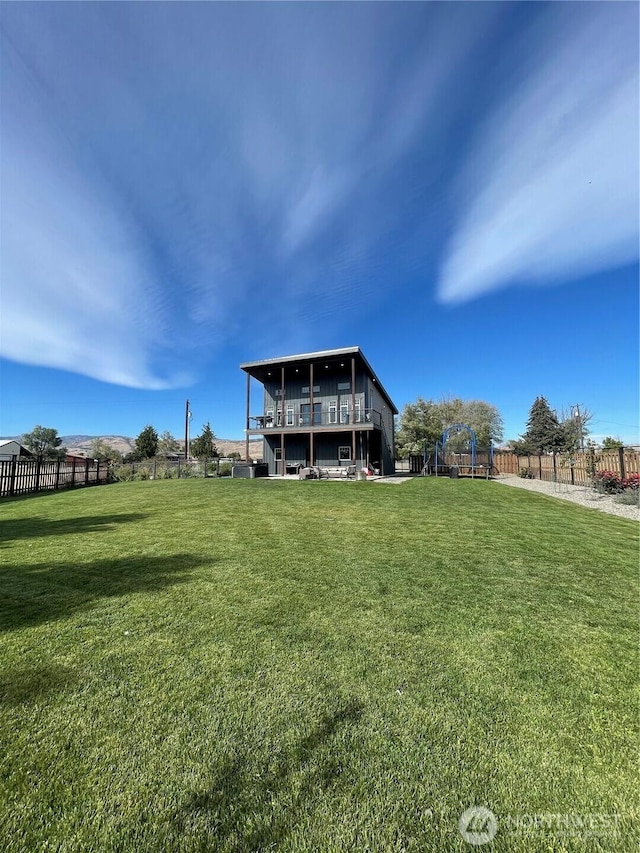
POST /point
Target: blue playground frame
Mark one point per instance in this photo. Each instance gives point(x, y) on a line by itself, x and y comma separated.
point(440, 445)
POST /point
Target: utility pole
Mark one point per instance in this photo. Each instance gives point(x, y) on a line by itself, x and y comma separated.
point(187, 416)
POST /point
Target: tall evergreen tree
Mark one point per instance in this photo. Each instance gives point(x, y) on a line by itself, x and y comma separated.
point(147, 443)
point(204, 447)
point(544, 432)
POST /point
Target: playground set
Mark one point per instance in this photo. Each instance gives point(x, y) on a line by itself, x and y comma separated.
point(456, 454)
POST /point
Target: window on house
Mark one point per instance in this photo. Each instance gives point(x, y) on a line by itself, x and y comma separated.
point(344, 386)
point(277, 454)
point(289, 415)
point(305, 414)
point(317, 413)
point(333, 412)
point(344, 413)
point(344, 454)
point(269, 418)
point(358, 411)
point(279, 417)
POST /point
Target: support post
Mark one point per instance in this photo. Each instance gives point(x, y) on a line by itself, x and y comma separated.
point(12, 481)
point(623, 473)
point(283, 463)
point(313, 419)
point(246, 444)
point(353, 407)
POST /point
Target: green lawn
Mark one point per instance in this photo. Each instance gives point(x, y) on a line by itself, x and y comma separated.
point(206, 665)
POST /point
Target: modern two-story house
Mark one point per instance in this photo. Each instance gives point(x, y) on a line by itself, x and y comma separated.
point(321, 408)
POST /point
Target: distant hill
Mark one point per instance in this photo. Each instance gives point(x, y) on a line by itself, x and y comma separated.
point(80, 445)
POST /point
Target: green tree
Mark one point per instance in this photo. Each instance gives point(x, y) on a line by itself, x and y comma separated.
point(426, 420)
point(102, 451)
point(167, 444)
point(519, 446)
point(234, 456)
point(203, 446)
point(44, 442)
point(544, 432)
point(575, 427)
point(147, 443)
point(610, 443)
point(419, 422)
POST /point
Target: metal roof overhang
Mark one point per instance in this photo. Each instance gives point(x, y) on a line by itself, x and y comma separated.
point(263, 370)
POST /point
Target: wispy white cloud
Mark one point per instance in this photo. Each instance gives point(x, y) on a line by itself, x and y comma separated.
point(550, 188)
point(161, 165)
point(173, 174)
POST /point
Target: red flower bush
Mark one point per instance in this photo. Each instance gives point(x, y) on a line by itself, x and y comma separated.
point(608, 482)
point(632, 482)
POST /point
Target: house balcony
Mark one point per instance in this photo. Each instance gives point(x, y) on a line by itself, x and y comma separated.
point(305, 422)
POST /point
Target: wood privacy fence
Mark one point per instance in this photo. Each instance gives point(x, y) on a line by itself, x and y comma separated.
point(561, 468)
point(19, 477)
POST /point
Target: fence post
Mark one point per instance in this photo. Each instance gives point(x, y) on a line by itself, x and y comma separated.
point(97, 472)
point(178, 467)
point(555, 468)
point(57, 481)
point(573, 476)
point(540, 465)
point(73, 471)
point(86, 472)
point(621, 457)
point(38, 465)
point(155, 467)
point(12, 481)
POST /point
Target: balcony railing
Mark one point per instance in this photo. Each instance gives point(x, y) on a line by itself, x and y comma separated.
point(297, 419)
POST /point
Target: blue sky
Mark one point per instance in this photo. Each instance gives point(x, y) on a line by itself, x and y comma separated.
point(453, 187)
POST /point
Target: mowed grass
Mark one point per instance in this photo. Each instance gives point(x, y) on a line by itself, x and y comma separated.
point(207, 665)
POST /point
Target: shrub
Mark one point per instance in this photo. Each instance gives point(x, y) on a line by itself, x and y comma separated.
point(630, 497)
point(607, 482)
point(122, 473)
point(526, 473)
point(632, 482)
point(225, 469)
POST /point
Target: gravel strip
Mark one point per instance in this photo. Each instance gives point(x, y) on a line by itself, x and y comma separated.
point(576, 494)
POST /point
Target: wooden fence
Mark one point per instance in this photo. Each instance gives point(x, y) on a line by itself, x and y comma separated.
point(19, 477)
point(552, 467)
point(560, 468)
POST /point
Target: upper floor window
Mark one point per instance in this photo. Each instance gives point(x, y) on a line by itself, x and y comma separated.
point(344, 386)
